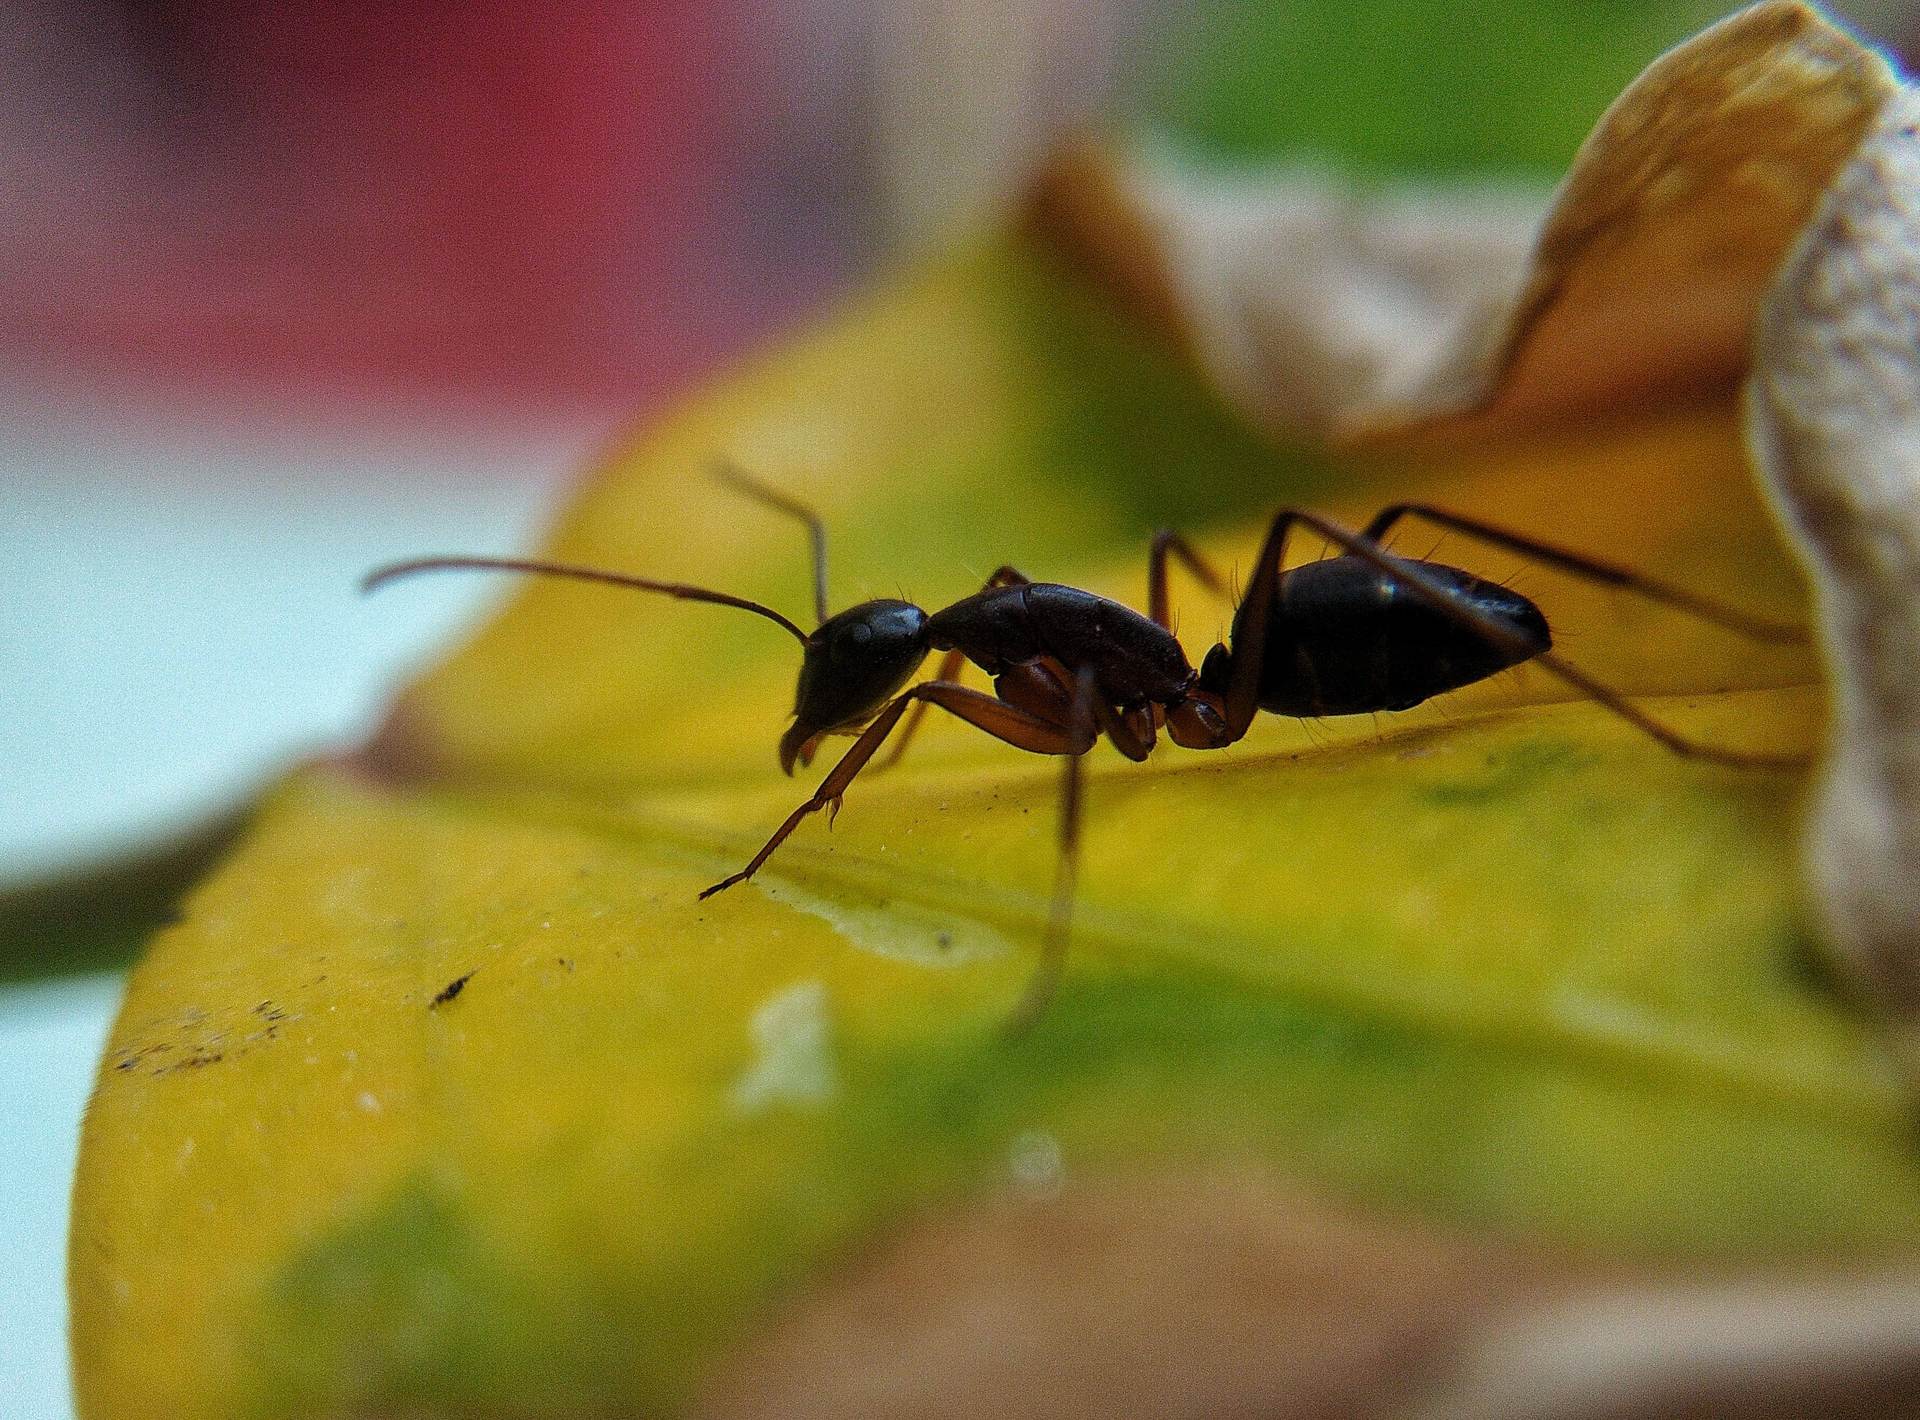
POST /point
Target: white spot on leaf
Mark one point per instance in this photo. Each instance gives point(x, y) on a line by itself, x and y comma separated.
point(1036, 1163)
point(793, 1062)
point(895, 929)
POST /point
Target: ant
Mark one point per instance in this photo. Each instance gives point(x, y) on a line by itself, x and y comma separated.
point(1353, 633)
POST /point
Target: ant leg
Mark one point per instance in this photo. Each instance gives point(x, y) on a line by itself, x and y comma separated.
point(1041, 688)
point(1408, 575)
point(731, 474)
point(1672, 739)
point(1046, 688)
point(1165, 541)
point(1045, 980)
point(1605, 573)
point(1250, 629)
point(949, 670)
point(1132, 731)
point(1017, 727)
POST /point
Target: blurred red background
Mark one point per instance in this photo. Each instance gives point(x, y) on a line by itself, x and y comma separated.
point(563, 198)
point(581, 200)
point(291, 289)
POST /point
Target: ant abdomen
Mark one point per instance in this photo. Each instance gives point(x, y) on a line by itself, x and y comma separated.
point(1343, 638)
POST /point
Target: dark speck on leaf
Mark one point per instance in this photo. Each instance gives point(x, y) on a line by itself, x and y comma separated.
point(452, 989)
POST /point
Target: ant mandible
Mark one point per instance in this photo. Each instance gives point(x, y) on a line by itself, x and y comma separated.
point(1354, 633)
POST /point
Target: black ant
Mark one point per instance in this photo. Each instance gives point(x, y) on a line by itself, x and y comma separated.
point(1354, 633)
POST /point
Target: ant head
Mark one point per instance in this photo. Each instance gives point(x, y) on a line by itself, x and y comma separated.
point(854, 663)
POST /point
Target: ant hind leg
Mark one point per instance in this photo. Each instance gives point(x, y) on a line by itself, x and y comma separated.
point(1590, 569)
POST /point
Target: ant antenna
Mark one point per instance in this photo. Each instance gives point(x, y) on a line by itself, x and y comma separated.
point(380, 576)
point(737, 478)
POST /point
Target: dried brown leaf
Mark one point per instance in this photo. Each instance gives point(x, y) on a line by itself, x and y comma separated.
point(1350, 315)
point(1835, 418)
point(1184, 1296)
point(1237, 1295)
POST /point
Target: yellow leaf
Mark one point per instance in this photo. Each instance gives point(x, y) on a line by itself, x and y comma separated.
point(449, 1096)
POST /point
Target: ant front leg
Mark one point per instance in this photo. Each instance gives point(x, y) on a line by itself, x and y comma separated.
point(951, 664)
point(949, 670)
point(1017, 727)
point(1592, 570)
